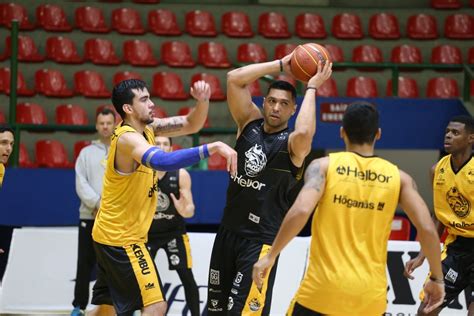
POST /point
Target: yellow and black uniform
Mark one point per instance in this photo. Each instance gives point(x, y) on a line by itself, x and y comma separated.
point(127, 274)
point(350, 229)
point(2, 173)
point(453, 194)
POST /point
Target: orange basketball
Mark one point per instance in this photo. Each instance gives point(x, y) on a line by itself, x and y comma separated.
point(304, 62)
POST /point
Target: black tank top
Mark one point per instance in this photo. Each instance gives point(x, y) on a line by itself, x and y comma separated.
point(259, 196)
point(167, 220)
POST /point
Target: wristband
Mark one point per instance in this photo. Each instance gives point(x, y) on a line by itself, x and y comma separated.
point(281, 66)
point(435, 280)
point(315, 89)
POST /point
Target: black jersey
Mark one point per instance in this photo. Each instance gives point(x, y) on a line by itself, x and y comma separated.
point(258, 197)
point(167, 220)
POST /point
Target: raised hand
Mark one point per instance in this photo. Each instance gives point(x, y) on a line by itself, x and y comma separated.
point(228, 153)
point(323, 74)
point(201, 91)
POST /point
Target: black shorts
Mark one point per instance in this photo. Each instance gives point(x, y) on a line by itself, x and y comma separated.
point(231, 290)
point(176, 247)
point(297, 309)
point(127, 278)
point(458, 267)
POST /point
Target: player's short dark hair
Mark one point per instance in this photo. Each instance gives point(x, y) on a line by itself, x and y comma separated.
point(6, 128)
point(283, 85)
point(105, 111)
point(123, 94)
point(361, 122)
point(467, 120)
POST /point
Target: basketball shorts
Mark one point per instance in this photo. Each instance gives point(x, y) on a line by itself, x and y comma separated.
point(231, 290)
point(127, 278)
point(177, 250)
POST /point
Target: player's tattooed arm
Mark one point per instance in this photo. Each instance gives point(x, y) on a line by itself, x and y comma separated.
point(314, 176)
point(169, 126)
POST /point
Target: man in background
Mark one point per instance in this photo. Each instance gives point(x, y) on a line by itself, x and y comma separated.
point(90, 168)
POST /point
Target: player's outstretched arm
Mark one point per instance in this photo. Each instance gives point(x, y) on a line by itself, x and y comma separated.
point(305, 125)
point(135, 146)
point(190, 123)
point(240, 103)
point(185, 204)
point(297, 216)
point(417, 210)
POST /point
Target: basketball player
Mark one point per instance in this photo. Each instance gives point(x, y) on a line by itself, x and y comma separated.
point(6, 148)
point(127, 276)
point(355, 195)
point(168, 230)
point(270, 163)
point(453, 195)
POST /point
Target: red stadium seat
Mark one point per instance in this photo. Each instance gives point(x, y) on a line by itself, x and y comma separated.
point(78, 146)
point(446, 4)
point(310, 25)
point(400, 229)
point(255, 89)
point(91, 19)
point(281, 50)
point(406, 54)
point(124, 75)
point(52, 18)
point(335, 52)
point(442, 87)
point(273, 25)
point(459, 26)
point(328, 89)
point(168, 86)
point(127, 21)
point(361, 87)
point(384, 26)
point(24, 160)
point(2, 117)
point(446, 54)
point(13, 11)
point(69, 114)
point(471, 3)
point(217, 94)
point(407, 88)
point(251, 53)
point(200, 23)
point(159, 112)
point(27, 50)
point(51, 83)
point(21, 88)
point(422, 26)
point(367, 54)
point(236, 24)
point(163, 22)
point(185, 110)
point(177, 54)
point(216, 162)
point(346, 26)
point(286, 78)
point(470, 56)
point(30, 113)
point(62, 50)
point(139, 53)
point(90, 84)
point(51, 154)
point(146, 1)
point(100, 52)
point(213, 55)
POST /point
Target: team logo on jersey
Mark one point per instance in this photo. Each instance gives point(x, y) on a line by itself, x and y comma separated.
point(458, 203)
point(255, 161)
point(174, 259)
point(163, 202)
point(230, 304)
point(254, 304)
point(214, 277)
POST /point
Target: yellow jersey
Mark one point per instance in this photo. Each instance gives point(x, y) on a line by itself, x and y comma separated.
point(453, 194)
point(350, 229)
point(2, 173)
point(128, 201)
